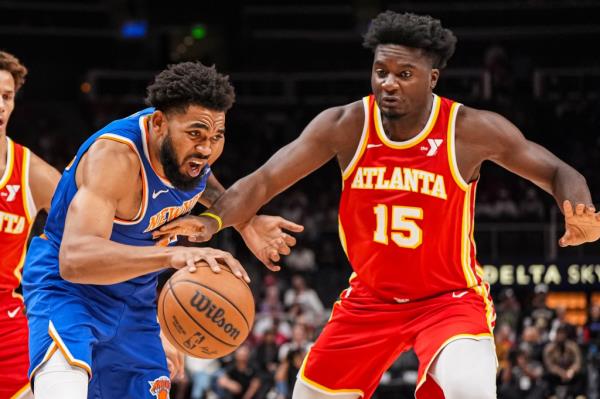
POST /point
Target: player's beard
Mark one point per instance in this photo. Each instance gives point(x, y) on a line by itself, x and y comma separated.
point(168, 158)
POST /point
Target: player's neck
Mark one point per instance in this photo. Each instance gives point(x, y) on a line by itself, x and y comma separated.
point(407, 126)
point(154, 152)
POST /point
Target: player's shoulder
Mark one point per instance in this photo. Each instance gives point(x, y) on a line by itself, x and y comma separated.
point(474, 122)
point(115, 152)
point(344, 117)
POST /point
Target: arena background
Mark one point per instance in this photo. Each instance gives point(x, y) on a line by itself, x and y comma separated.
point(535, 62)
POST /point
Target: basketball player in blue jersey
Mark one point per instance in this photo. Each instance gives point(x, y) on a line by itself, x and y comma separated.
point(90, 279)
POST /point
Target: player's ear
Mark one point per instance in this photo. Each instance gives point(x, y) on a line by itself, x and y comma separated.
point(435, 75)
point(158, 121)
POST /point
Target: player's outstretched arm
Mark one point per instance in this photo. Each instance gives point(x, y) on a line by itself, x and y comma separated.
point(43, 180)
point(105, 176)
point(320, 141)
point(494, 138)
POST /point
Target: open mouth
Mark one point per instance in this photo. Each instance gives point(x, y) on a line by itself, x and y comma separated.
point(1, 122)
point(195, 167)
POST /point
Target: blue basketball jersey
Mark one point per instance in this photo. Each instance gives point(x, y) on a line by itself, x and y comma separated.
point(98, 326)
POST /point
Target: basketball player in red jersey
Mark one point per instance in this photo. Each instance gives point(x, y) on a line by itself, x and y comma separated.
point(26, 185)
point(410, 163)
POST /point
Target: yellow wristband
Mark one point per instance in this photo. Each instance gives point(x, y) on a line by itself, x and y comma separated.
point(213, 216)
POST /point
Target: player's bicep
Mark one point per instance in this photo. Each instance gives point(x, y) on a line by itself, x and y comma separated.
point(514, 152)
point(105, 175)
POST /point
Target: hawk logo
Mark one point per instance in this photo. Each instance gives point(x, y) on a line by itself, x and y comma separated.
point(160, 387)
point(434, 146)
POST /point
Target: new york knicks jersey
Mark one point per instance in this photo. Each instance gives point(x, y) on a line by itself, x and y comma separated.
point(161, 203)
point(406, 214)
point(17, 211)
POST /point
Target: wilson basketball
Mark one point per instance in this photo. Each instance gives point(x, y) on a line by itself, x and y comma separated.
point(206, 314)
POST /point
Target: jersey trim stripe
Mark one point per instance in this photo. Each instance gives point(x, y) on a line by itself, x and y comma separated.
point(452, 148)
point(22, 393)
point(342, 235)
point(362, 143)
point(435, 110)
point(10, 160)
point(465, 247)
point(28, 203)
point(322, 388)
point(144, 204)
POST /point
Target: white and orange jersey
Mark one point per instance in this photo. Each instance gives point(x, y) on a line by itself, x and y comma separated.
point(17, 212)
point(406, 214)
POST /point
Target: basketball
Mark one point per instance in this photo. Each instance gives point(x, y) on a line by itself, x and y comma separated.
point(206, 314)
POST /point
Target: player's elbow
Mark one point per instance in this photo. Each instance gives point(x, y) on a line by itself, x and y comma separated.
point(68, 266)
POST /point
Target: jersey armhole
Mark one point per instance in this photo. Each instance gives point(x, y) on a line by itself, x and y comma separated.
point(28, 201)
point(362, 143)
point(458, 179)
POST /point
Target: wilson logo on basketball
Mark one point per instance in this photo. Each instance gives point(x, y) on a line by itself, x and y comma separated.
point(160, 387)
point(213, 313)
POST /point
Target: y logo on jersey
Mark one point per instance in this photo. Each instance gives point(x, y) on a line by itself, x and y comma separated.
point(160, 387)
point(13, 189)
point(434, 146)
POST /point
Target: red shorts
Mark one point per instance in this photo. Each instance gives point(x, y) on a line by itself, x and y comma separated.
point(14, 353)
point(365, 335)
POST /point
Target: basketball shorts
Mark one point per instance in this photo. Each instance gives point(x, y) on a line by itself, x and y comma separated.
point(365, 335)
point(14, 354)
point(117, 343)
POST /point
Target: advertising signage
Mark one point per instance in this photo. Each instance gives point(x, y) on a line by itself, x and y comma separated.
point(570, 276)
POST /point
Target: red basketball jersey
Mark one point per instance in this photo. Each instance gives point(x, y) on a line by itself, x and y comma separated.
point(406, 214)
point(17, 211)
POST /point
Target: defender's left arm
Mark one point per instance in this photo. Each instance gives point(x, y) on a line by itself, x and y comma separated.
point(492, 137)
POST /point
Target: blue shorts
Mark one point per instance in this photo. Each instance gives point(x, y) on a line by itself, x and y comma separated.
point(115, 341)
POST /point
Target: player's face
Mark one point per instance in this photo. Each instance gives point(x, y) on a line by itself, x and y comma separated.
point(7, 99)
point(402, 79)
point(190, 141)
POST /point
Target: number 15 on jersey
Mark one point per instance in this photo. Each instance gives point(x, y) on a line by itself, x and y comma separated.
point(403, 229)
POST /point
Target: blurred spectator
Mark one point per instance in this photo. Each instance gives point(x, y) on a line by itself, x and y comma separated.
point(504, 206)
point(299, 341)
point(560, 320)
point(300, 294)
point(508, 309)
point(504, 339)
point(521, 378)
point(239, 380)
point(531, 342)
point(539, 314)
point(302, 259)
point(562, 358)
point(285, 376)
point(265, 357)
point(201, 372)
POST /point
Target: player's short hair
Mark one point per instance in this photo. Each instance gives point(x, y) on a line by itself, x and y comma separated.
point(411, 30)
point(190, 83)
point(12, 65)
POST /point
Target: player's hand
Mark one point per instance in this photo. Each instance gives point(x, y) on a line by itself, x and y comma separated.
point(196, 228)
point(582, 224)
point(175, 359)
point(189, 256)
point(264, 235)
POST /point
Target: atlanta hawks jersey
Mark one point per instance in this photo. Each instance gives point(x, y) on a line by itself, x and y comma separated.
point(406, 214)
point(17, 211)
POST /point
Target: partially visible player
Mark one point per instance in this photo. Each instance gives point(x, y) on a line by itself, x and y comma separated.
point(26, 186)
point(90, 281)
point(410, 162)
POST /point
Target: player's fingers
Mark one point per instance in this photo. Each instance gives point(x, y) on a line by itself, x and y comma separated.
point(289, 239)
point(590, 210)
point(212, 263)
point(567, 208)
point(565, 240)
point(190, 264)
point(170, 226)
point(579, 208)
point(291, 226)
point(236, 267)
